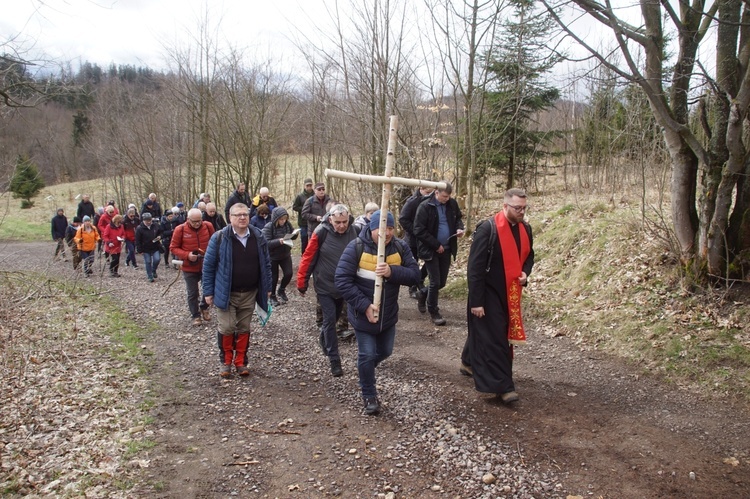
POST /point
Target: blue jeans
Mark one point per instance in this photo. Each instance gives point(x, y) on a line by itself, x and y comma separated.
point(373, 349)
point(88, 259)
point(151, 260)
point(130, 246)
point(331, 308)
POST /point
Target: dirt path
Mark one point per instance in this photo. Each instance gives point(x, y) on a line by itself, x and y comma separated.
point(586, 425)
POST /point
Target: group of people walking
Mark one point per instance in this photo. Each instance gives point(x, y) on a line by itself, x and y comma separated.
point(244, 266)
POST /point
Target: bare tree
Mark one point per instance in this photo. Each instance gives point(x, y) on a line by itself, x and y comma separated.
point(710, 182)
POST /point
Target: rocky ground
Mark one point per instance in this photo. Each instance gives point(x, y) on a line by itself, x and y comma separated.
point(586, 425)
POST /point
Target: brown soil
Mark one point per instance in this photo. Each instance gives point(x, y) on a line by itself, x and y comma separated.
point(586, 425)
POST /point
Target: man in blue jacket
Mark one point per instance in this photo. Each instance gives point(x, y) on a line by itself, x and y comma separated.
point(236, 277)
point(355, 280)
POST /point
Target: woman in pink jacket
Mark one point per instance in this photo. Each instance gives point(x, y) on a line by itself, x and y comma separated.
point(114, 237)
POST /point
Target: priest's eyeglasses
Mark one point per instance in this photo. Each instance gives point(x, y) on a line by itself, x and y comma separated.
point(519, 209)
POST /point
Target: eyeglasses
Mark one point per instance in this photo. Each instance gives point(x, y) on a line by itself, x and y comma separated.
point(239, 215)
point(320, 189)
point(518, 209)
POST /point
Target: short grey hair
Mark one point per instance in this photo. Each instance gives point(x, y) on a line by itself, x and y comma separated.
point(371, 207)
point(338, 209)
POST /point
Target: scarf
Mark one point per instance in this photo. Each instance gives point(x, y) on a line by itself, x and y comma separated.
point(513, 268)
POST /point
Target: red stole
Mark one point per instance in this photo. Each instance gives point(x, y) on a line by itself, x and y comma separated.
point(512, 262)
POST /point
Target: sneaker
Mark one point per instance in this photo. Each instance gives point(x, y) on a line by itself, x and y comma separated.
point(466, 370)
point(282, 296)
point(226, 371)
point(336, 370)
point(372, 406)
point(155, 276)
point(509, 397)
point(422, 301)
point(274, 301)
point(206, 314)
point(150, 279)
point(413, 292)
point(437, 319)
point(197, 321)
point(243, 371)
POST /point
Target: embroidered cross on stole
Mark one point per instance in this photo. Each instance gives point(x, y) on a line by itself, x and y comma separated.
point(512, 262)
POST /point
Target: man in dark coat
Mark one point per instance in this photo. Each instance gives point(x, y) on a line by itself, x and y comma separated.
point(319, 261)
point(500, 261)
point(299, 203)
point(437, 225)
point(239, 195)
point(59, 224)
point(355, 280)
point(406, 219)
point(315, 207)
point(86, 208)
point(151, 205)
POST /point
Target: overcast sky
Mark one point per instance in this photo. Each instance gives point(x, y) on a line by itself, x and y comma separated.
point(137, 31)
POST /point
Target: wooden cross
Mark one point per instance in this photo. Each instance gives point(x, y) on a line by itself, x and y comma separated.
point(387, 181)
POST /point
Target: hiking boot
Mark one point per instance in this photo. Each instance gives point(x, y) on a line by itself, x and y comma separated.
point(282, 296)
point(243, 371)
point(413, 292)
point(372, 406)
point(225, 371)
point(437, 319)
point(155, 276)
point(466, 370)
point(197, 321)
point(274, 302)
point(345, 335)
point(206, 314)
point(336, 370)
point(509, 397)
point(422, 301)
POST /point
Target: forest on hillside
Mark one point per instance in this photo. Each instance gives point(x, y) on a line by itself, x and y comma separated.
point(480, 103)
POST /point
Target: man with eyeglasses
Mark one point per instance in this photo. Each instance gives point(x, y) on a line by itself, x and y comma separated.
point(500, 261)
point(189, 244)
point(437, 225)
point(236, 278)
point(321, 257)
point(315, 207)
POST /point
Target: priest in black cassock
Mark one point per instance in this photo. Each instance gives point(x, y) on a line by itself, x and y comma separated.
point(500, 261)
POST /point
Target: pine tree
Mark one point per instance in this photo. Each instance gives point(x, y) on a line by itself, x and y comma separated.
point(26, 182)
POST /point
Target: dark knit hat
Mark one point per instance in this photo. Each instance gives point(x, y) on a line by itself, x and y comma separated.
point(375, 220)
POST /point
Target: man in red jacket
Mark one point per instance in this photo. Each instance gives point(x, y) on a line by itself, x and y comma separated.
point(189, 243)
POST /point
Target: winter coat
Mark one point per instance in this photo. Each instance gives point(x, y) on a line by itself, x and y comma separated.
point(273, 233)
point(86, 208)
point(426, 226)
point(406, 218)
point(104, 220)
point(259, 222)
point(257, 201)
point(186, 239)
point(112, 244)
point(130, 226)
point(321, 257)
point(313, 209)
point(235, 198)
point(167, 229)
point(217, 220)
point(152, 207)
point(355, 280)
point(86, 239)
point(217, 267)
point(299, 203)
point(148, 239)
point(58, 225)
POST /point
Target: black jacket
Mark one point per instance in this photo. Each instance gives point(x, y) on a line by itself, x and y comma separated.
point(86, 208)
point(148, 239)
point(273, 232)
point(406, 218)
point(59, 224)
point(426, 226)
point(235, 198)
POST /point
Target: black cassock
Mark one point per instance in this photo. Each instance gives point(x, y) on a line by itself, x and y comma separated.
point(487, 350)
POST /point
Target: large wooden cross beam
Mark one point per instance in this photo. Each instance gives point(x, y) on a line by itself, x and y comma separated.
point(387, 181)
